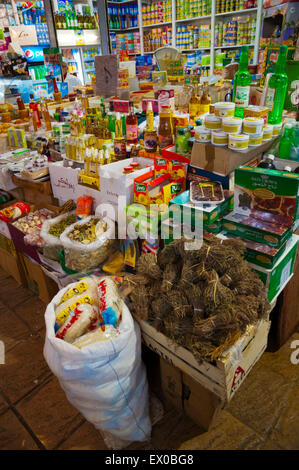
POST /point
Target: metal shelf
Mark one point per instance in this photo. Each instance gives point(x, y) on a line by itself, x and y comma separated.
point(237, 12)
point(233, 46)
point(156, 24)
point(122, 30)
point(193, 18)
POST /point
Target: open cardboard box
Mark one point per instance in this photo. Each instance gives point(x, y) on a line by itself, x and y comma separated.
point(222, 160)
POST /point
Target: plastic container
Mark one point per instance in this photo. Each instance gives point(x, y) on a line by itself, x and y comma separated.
point(219, 138)
point(253, 125)
point(212, 122)
point(255, 140)
point(238, 142)
point(210, 192)
point(202, 134)
point(232, 125)
point(224, 109)
point(267, 133)
point(276, 129)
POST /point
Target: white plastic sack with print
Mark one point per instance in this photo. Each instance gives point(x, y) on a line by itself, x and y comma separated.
point(106, 381)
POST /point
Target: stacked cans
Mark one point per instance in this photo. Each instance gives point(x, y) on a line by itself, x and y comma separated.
point(157, 12)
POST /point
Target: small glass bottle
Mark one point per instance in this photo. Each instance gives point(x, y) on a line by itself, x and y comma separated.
point(120, 149)
point(267, 162)
point(132, 127)
point(150, 135)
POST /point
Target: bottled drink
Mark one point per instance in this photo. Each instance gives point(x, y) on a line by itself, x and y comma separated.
point(150, 135)
point(34, 111)
point(242, 80)
point(267, 162)
point(205, 100)
point(20, 103)
point(277, 88)
point(120, 151)
point(194, 105)
point(102, 107)
point(57, 94)
point(132, 127)
point(286, 141)
point(46, 115)
point(165, 131)
point(182, 142)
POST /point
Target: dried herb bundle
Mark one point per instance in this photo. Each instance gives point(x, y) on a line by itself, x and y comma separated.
point(202, 299)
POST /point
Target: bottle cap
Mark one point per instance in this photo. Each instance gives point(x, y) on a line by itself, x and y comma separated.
point(270, 157)
point(287, 168)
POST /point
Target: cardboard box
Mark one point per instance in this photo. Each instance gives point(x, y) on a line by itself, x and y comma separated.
point(168, 227)
point(114, 183)
point(143, 219)
point(206, 213)
point(8, 245)
point(171, 384)
point(38, 282)
point(223, 377)
point(151, 190)
point(171, 154)
point(13, 265)
point(275, 193)
point(222, 160)
point(276, 278)
point(199, 175)
point(257, 230)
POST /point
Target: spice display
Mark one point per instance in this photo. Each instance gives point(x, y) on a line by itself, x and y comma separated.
point(202, 299)
point(88, 232)
point(57, 229)
point(31, 226)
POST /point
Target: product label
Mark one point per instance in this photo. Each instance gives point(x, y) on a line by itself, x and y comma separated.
point(62, 316)
point(132, 132)
point(150, 142)
point(78, 289)
point(194, 109)
point(270, 98)
point(120, 149)
point(242, 96)
point(165, 141)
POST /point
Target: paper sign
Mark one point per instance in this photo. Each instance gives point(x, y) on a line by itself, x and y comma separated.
point(24, 35)
point(106, 75)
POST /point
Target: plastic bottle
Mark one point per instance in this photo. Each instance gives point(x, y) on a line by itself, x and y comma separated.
point(242, 81)
point(286, 141)
point(132, 127)
point(277, 88)
point(182, 142)
point(165, 131)
point(150, 135)
point(267, 162)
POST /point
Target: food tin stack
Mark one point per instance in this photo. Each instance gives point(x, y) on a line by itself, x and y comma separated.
point(223, 129)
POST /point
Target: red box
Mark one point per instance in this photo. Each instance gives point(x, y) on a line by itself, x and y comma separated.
point(170, 154)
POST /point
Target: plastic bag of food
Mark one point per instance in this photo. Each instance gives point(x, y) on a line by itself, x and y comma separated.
point(51, 231)
point(78, 322)
point(14, 211)
point(88, 243)
point(110, 303)
point(106, 380)
point(83, 292)
point(96, 335)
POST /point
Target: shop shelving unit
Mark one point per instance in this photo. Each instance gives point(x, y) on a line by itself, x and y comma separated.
point(212, 18)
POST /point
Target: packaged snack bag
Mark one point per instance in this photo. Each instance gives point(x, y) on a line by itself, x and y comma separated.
point(110, 303)
point(78, 322)
point(14, 211)
point(95, 336)
point(84, 207)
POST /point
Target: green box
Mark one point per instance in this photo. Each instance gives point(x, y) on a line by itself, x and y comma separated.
point(268, 195)
point(275, 279)
point(139, 216)
point(167, 227)
point(208, 214)
point(259, 253)
point(256, 230)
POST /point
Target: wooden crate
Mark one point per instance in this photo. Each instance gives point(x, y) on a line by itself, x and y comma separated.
point(224, 376)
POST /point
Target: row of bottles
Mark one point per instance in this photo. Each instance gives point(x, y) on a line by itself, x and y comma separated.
point(276, 91)
point(235, 32)
point(157, 37)
point(192, 8)
point(223, 6)
point(268, 164)
point(200, 104)
point(75, 19)
point(123, 16)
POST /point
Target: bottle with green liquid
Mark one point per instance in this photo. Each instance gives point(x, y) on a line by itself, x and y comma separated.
point(242, 81)
point(277, 88)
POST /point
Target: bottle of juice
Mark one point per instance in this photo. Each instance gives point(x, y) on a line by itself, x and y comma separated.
point(277, 88)
point(242, 81)
point(182, 142)
point(150, 135)
point(165, 131)
point(132, 127)
point(286, 141)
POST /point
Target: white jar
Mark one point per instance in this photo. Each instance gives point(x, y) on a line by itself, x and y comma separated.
point(253, 125)
point(232, 125)
point(219, 138)
point(267, 132)
point(224, 109)
point(276, 129)
point(202, 134)
point(212, 122)
point(238, 142)
point(255, 139)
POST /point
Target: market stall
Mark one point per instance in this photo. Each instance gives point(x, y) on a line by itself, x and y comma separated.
point(154, 207)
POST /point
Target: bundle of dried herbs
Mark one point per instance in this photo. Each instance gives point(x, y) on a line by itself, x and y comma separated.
point(202, 299)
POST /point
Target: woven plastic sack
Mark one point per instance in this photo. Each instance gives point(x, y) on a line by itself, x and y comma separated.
point(105, 381)
point(52, 245)
point(84, 258)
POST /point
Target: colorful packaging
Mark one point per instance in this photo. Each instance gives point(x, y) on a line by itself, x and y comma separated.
point(14, 211)
point(79, 321)
point(84, 207)
point(110, 303)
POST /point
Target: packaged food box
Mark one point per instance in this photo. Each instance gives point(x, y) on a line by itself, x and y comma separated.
point(197, 174)
point(151, 190)
point(259, 253)
point(170, 229)
point(270, 232)
point(143, 219)
point(276, 278)
point(270, 191)
point(206, 213)
point(210, 192)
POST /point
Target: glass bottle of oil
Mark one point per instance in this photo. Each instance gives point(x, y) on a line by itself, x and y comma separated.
point(120, 150)
point(205, 99)
point(150, 135)
point(194, 104)
point(165, 131)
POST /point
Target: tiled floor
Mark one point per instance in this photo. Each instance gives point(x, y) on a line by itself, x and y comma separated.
point(34, 413)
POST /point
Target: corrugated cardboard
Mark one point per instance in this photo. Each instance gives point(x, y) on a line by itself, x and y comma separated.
point(172, 384)
point(222, 160)
point(38, 282)
point(13, 265)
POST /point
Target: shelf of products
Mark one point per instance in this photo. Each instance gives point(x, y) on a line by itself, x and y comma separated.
point(157, 37)
point(232, 33)
point(129, 42)
point(157, 13)
point(122, 16)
